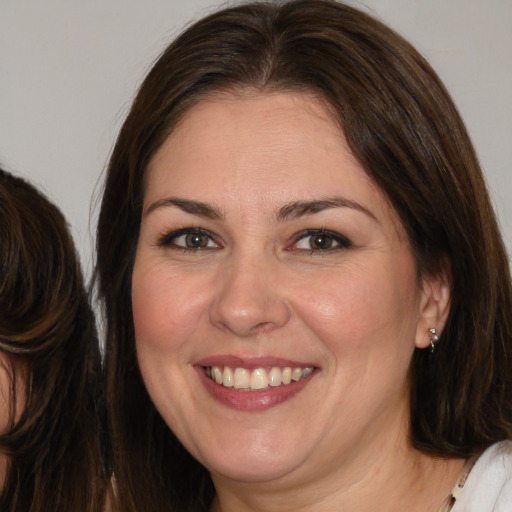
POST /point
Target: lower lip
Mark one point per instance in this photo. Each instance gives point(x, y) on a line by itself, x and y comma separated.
point(252, 400)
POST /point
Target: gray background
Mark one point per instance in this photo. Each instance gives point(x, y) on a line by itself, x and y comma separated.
point(69, 69)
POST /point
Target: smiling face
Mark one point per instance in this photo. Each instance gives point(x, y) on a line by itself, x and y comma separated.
point(276, 301)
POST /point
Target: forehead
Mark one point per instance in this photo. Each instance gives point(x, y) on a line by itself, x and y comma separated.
point(229, 122)
point(270, 130)
point(261, 148)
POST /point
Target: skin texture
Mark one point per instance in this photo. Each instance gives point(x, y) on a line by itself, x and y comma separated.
point(355, 312)
point(5, 396)
point(4, 412)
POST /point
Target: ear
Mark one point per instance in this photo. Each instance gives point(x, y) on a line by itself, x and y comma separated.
point(434, 306)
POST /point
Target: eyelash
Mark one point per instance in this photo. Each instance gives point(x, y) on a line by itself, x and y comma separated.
point(169, 239)
point(340, 242)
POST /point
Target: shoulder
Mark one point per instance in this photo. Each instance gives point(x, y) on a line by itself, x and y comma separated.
point(488, 487)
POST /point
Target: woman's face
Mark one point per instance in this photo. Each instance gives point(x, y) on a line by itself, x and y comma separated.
point(276, 301)
point(5, 400)
point(11, 366)
point(5, 393)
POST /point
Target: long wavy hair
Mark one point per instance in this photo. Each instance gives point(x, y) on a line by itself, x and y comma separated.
point(49, 351)
point(404, 129)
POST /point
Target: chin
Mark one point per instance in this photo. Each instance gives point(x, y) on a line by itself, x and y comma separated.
point(257, 465)
point(248, 472)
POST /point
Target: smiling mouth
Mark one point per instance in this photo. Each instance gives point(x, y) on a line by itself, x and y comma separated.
point(257, 379)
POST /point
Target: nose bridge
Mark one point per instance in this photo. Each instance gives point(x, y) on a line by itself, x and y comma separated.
point(250, 299)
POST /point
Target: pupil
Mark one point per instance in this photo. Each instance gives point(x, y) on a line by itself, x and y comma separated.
point(196, 240)
point(321, 242)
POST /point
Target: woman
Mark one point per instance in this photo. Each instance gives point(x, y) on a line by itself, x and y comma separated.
point(50, 422)
point(307, 297)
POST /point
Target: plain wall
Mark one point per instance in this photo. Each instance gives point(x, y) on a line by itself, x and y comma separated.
point(69, 69)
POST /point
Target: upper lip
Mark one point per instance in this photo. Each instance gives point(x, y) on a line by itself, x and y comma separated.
point(250, 362)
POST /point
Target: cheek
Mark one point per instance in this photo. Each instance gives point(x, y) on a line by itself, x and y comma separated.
point(362, 309)
point(165, 314)
point(5, 393)
point(5, 390)
point(166, 306)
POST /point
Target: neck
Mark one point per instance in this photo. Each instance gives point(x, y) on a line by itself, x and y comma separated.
point(393, 479)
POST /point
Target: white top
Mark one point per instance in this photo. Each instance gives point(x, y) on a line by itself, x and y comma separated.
point(485, 485)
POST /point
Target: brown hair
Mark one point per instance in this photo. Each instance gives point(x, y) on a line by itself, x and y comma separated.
point(48, 342)
point(403, 127)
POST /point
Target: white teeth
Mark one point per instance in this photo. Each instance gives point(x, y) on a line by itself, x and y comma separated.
point(274, 377)
point(257, 379)
point(217, 375)
point(241, 378)
point(296, 374)
point(227, 377)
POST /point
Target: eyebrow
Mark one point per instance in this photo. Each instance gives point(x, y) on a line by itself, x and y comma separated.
point(301, 208)
point(289, 211)
point(193, 207)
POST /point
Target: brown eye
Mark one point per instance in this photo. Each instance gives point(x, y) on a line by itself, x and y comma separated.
point(195, 240)
point(320, 241)
point(188, 239)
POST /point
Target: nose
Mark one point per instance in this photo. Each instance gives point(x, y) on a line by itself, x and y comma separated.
point(250, 299)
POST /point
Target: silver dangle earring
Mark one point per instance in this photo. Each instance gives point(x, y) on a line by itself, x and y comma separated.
point(433, 338)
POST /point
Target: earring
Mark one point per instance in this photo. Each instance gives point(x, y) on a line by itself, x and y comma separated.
point(433, 338)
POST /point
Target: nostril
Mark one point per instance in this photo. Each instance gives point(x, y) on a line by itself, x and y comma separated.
point(249, 323)
point(248, 300)
point(263, 327)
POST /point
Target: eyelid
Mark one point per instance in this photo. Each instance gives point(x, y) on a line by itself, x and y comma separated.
point(167, 237)
point(342, 241)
